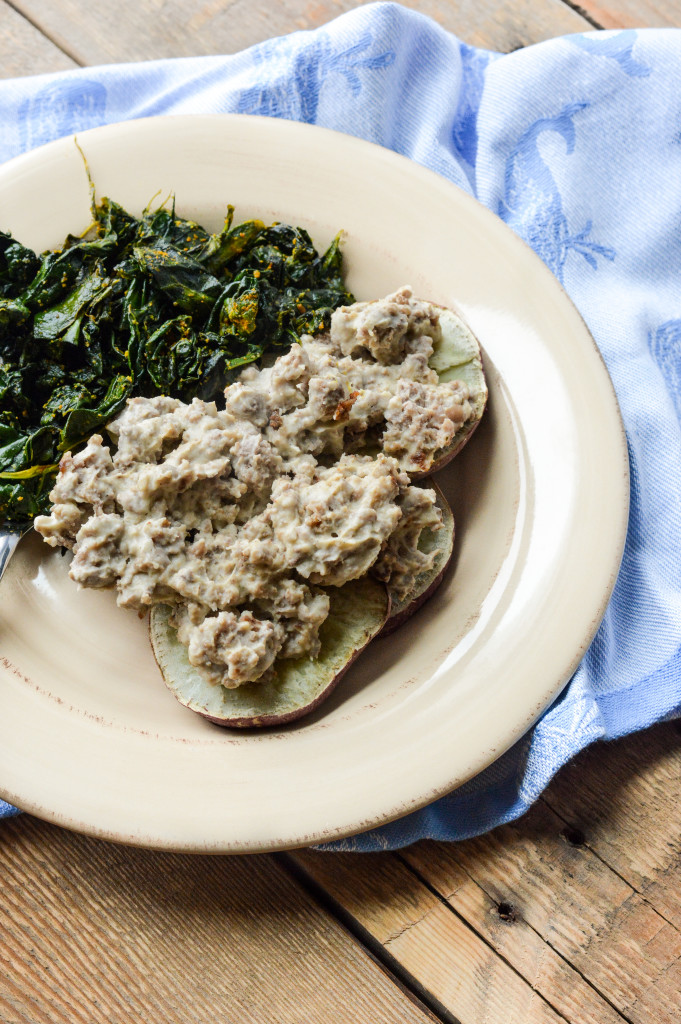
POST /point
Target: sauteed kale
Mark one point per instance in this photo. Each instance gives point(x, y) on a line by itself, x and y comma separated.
point(140, 306)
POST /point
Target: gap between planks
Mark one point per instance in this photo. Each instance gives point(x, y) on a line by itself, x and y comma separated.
point(449, 961)
point(24, 49)
point(30, 21)
point(93, 932)
point(506, 911)
point(583, 13)
point(375, 949)
point(589, 934)
point(586, 910)
point(587, 846)
point(132, 31)
point(624, 797)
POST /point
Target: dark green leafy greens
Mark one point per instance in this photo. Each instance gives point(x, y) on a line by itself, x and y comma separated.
point(140, 306)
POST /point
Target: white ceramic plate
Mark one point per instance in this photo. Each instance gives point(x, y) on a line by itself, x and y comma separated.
point(89, 736)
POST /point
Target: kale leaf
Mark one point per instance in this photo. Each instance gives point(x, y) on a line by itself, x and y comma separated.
point(140, 306)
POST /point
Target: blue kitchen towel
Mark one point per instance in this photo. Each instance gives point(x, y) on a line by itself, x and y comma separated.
point(576, 144)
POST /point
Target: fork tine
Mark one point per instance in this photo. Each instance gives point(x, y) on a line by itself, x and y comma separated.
point(8, 543)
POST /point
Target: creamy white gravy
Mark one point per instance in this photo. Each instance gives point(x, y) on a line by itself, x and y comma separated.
point(241, 517)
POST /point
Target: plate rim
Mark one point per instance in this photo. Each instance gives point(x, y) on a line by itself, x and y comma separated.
point(531, 716)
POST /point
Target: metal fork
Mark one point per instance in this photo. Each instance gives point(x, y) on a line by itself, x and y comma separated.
point(8, 543)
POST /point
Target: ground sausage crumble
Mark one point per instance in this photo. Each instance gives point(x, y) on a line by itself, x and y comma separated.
point(241, 517)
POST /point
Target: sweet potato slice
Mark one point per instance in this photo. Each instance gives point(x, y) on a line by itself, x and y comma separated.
point(426, 583)
point(358, 612)
point(457, 356)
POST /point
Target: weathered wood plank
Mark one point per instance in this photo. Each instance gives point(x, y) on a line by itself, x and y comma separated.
point(24, 50)
point(91, 932)
point(539, 898)
point(511, 937)
point(130, 30)
point(443, 954)
point(624, 798)
point(573, 901)
point(634, 13)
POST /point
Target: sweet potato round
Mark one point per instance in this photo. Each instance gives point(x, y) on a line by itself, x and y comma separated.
point(457, 356)
point(426, 583)
point(358, 612)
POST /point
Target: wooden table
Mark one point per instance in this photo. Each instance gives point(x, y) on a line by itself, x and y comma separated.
point(571, 914)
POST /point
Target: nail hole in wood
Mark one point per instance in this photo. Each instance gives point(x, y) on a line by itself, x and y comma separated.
point(573, 836)
point(506, 911)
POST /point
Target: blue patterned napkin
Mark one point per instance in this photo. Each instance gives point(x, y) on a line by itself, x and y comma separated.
point(576, 144)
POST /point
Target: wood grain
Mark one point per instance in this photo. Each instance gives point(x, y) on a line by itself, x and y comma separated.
point(634, 13)
point(26, 51)
point(132, 30)
point(535, 906)
point(571, 915)
point(464, 970)
point(91, 932)
point(626, 804)
point(553, 883)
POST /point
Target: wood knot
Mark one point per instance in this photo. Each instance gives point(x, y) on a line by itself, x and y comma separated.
point(573, 836)
point(506, 911)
